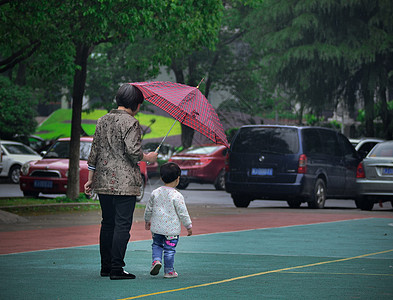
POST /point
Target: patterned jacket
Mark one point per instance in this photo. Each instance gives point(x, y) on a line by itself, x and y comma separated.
point(115, 153)
point(165, 210)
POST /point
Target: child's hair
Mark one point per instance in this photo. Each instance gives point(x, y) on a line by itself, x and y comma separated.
point(169, 172)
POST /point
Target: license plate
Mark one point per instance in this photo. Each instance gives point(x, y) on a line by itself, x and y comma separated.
point(387, 171)
point(44, 184)
point(262, 171)
point(184, 172)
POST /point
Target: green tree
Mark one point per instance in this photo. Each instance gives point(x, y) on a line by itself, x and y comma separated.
point(72, 29)
point(323, 51)
point(16, 112)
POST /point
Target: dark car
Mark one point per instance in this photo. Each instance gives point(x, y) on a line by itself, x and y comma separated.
point(375, 177)
point(202, 164)
point(292, 163)
point(50, 174)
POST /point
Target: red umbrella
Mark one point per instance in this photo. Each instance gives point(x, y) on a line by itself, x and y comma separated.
point(187, 105)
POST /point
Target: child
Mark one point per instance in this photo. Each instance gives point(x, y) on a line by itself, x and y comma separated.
point(163, 213)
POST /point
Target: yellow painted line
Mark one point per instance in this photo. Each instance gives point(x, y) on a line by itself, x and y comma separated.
point(256, 274)
point(332, 273)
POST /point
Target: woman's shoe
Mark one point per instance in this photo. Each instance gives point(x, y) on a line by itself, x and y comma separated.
point(121, 274)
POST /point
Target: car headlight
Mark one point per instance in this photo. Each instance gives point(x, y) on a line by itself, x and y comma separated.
point(25, 168)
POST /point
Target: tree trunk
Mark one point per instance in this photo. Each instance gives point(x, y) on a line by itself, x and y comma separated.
point(187, 136)
point(368, 103)
point(187, 133)
point(82, 53)
point(386, 115)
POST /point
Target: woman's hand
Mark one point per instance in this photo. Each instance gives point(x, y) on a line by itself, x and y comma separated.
point(88, 188)
point(150, 157)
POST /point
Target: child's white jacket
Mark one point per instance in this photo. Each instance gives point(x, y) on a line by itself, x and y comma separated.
point(166, 210)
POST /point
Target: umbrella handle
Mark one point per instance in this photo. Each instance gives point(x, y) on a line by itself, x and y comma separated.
point(159, 146)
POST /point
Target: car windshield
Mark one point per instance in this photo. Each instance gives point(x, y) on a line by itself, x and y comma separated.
point(267, 139)
point(382, 150)
point(19, 149)
point(201, 150)
point(61, 149)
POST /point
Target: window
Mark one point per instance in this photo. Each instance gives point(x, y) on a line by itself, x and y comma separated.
point(312, 141)
point(267, 139)
point(18, 149)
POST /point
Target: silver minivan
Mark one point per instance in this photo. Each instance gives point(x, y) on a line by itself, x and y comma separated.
point(292, 163)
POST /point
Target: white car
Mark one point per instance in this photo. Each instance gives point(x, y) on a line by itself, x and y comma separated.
point(363, 146)
point(14, 155)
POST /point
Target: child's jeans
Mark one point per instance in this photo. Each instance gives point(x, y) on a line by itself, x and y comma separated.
point(166, 244)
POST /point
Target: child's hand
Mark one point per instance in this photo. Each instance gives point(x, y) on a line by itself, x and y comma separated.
point(189, 232)
point(147, 225)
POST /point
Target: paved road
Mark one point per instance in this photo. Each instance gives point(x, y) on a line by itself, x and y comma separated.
point(205, 194)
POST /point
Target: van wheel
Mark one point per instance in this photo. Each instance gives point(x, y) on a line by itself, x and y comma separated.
point(220, 181)
point(241, 200)
point(364, 203)
point(294, 203)
point(319, 196)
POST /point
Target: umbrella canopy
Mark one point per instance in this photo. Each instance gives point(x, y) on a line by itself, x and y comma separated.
point(187, 105)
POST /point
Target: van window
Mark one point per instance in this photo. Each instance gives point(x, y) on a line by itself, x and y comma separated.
point(349, 150)
point(330, 144)
point(312, 141)
point(266, 139)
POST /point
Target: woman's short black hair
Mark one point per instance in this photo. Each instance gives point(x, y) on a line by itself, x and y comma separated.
point(169, 172)
point(129, 96)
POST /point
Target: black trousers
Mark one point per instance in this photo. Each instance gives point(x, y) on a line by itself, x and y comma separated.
point(117, 213)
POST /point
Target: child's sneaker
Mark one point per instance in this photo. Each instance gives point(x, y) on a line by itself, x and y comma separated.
point(172, 274)
point(155, 267)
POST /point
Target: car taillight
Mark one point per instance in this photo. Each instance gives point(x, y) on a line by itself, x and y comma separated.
point(360, 171)
point(202, 161)
point(302, 168)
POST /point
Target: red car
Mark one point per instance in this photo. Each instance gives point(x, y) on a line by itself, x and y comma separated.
point(49, 175)
point(202, 164)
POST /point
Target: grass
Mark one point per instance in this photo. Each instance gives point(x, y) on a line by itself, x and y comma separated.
point(58, 124)
point(37, 206)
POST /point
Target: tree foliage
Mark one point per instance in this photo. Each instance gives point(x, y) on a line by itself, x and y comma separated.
point(324, 51)
point(72, 29)
point(16, 112)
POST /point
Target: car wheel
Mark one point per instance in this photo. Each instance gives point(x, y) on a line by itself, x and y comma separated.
point(318, 197)
point(220, 181)
point(295, 203)
point(31, 194)
point(183, 184)
point(241, 200)
point(142, 190)
point(364, 203)
point(14, 174)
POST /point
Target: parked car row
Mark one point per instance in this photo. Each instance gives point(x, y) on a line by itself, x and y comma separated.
point(297, 164)
point(301, 164)
point(49, 175)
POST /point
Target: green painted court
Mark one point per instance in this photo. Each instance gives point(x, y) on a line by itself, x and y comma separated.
point(336, 260)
